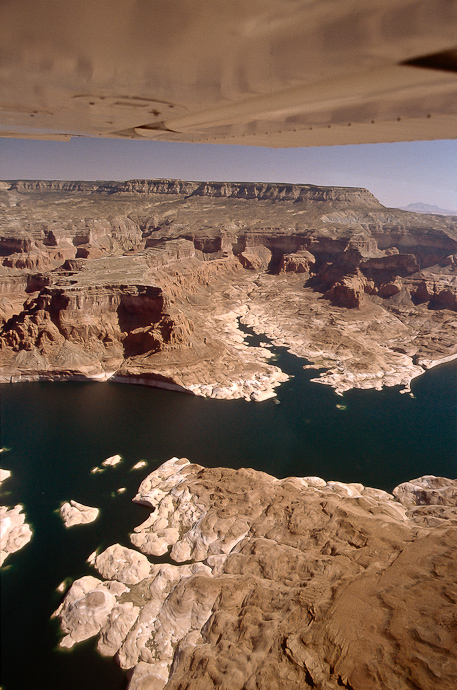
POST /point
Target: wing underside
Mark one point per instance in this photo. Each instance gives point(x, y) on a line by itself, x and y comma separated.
point(257, 72)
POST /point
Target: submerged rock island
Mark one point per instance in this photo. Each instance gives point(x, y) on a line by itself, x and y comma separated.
point(74, 513)
point(146, 281)
point(294, 583)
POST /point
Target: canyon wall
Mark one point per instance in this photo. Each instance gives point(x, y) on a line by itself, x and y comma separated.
point(146, 281)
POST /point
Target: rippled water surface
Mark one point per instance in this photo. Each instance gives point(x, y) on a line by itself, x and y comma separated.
point(56, 432)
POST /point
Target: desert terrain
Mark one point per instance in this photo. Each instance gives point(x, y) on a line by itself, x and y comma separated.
point(147, 281)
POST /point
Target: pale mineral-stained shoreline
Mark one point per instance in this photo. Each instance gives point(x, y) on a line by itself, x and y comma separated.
point(396, 368)
point(285, 578)
point(264, 386)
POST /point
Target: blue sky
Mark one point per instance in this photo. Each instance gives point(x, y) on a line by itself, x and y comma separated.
point(398, 174)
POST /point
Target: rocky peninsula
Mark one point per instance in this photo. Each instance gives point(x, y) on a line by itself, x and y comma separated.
point(294, 583)
point(147, 281)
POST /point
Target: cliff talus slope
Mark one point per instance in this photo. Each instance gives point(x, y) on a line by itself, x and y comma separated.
point(145, 281)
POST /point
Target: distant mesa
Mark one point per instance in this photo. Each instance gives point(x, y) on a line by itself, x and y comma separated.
point(428, 208)
point(264, 191)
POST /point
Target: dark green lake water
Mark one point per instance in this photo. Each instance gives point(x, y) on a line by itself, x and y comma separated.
point(57, 432)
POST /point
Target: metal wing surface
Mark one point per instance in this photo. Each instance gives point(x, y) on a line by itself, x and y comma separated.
point(274, 73)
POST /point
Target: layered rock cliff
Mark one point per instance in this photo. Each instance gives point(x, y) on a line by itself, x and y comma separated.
point(146, 280)
point(293, 584)
point(233, 190)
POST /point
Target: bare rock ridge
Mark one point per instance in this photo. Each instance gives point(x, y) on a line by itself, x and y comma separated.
point(146, 280)
point(295, 583)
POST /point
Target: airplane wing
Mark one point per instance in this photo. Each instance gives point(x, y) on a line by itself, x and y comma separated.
point(258, 72)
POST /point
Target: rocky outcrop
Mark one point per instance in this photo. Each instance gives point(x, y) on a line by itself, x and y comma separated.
point(428, 491)
point(15, 533)
point(349, 291)
point(297, 262)
point(74, 513)
point(255, 258)
point(389, 289)
point(13, 285)
point(144, 281)
point(87, 608)
point(122, 564)
point(439, 291)
point(139, 465)
point(428, 499)
point(112, 460)
point(292, 583)
point(4, 474)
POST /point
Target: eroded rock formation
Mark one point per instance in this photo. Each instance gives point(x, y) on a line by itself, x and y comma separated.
point(74, 513)
point(295, 583)
point(145, 281)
